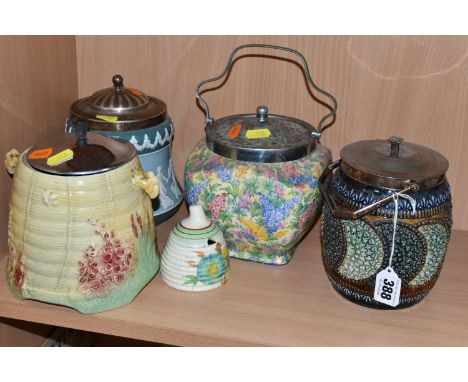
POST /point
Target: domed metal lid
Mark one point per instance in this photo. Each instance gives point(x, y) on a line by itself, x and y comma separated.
point(119, 108)
point(261, 137)
point(87, 154)
point(393, 164)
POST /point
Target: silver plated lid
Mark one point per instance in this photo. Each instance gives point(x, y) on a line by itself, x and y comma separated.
point(92, 153)
point(393, 164)
point(119, 108)
point(261, 137)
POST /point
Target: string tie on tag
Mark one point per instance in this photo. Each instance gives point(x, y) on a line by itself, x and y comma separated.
point(412, 201)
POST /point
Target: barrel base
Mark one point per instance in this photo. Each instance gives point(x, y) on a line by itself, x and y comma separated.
point(368, 302)
point(256, 255)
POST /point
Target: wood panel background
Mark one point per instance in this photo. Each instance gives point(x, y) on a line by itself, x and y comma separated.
point(414, 87)
point(38, 80)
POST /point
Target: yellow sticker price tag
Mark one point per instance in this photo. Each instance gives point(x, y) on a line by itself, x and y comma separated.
point(61, 157)
point(108, 118)
point(257, 133)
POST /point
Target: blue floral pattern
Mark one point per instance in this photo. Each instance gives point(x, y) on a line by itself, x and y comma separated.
point(361, 195)
point(192, 194)
point(263, 208)
point(274, 216)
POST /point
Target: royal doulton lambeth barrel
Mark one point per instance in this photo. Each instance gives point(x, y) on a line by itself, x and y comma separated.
point(358, 219)
point(256, 176)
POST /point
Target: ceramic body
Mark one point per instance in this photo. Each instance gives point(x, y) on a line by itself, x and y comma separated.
point(355, 251)
point(87, 242)
point(195, 258)
point(263, 208)
point(153, 146)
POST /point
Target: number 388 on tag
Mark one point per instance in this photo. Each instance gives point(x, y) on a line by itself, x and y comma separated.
point(387, 287)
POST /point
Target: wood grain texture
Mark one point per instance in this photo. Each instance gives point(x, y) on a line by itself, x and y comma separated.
point(267, 305)
point(38, 80)
point(414, 87)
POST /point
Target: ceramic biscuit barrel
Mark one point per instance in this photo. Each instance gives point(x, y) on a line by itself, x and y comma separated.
point(129, 114)
point(388, 205)
point(80, 233)
point(256, 175)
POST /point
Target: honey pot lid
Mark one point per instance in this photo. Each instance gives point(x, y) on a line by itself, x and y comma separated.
point(86, 154)
point(393, 164)
point(196, 230)
point(261, 137)
point(119, 108)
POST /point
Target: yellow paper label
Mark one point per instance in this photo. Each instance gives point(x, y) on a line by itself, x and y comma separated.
point(257, 133)
point(61, 157)
point(108, 118)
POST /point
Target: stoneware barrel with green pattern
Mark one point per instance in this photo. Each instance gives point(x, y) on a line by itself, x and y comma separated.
point(358, 219)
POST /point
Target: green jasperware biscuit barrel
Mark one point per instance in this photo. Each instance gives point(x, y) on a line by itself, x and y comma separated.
point(256, 176)
point(142, 120)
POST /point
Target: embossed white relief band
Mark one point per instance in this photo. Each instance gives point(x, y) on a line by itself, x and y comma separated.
point(158, 140)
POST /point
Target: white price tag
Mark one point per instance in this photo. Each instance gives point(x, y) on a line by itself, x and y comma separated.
point(387, 287)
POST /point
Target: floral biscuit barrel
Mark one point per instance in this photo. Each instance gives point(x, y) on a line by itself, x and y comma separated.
point(386, 223)
point(256, 176)
point(81, 231)
point(142, 120)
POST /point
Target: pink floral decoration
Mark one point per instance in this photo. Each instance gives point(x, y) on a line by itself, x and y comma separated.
point(217, 205)
point(15, 267)
point(106, 266)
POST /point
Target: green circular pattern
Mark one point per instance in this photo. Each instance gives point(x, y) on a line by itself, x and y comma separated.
point(333, 239)
point(436, 236)
point(409, 256)
point(364, 252)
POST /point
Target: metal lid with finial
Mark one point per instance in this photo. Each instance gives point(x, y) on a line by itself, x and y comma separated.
point(393, 164)
point(119, 108)
point(261, 137)
point(85, 154)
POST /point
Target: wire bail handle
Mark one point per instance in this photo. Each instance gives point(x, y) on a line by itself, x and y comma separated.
point(209, 120)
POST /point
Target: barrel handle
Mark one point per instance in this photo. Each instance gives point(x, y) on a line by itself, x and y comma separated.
point(324, 184)
point(209, 120)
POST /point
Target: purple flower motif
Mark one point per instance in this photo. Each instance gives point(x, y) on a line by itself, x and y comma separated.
point(222, 171)
point(192, 193)
point(279, 189)
point(274, 216)
point(244, 201)
point(304, 179)
point(243, 235)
